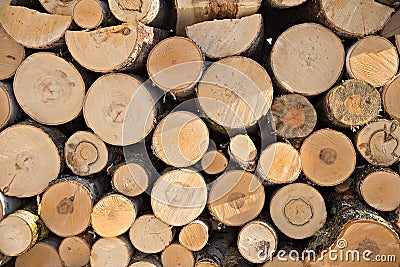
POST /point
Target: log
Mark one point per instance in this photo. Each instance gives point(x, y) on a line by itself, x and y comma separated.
point(390, 93)
point(175, 65)
point(86, 153)
point(29, 27)
point(66, 200)
point(285, 3)
point(8, 205)
point(373, 59)
point(344, 17)
point(236, 198)
point(114, 251)
point(115, 100)
point(10, 111)
point(257, 241)
point(49, 89)
point(75, 250)
point(26, 170)
point(378, 142)
point(44, 253)
point(213, 162)
point(194, 236)
point(59, 7)
point(298, 210)
point(328, 157)
point(212, 255)
point(243, 152)
point(238, 100)
point(4, 258)
point(392, 26)
point(233, 258)
point(279, 163)
point(114, 214)
point(190, 12)
point(153, 12)
point(122, 47)
point(178, 197)
point(90, 14)
point(149, 234)
point(298, 54)
point(20, 231)
point(180, 139)
point(350, 104)
point(130, 179)
point(379, 189)
point(294, 116)
point(11, 55)
point(356, 229)
point(177, 255)
point(394, 3)
point(229, 37)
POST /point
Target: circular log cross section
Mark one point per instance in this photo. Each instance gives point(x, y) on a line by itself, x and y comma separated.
point(298, 210)
point(299, 53)
point(178, 197)
point(235, 92)
point(328, 157)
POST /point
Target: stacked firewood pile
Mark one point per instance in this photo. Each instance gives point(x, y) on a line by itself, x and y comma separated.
point(207, 133)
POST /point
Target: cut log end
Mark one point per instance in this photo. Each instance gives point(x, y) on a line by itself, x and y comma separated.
point(175, 65)
point(179, 196)
point(279, 163)
point(85, 153)
point(243, 151)
point(294, 116)
point(130, 179)
point(11, 55)
point(194, 236)
point(328, 157)
point(180, 139)
point(74, 251)
point(113, 215)
point(236, 198)
point(60, 7)
point(144, 11)
point(62, 204)
point(297, 68)
point(257, 241)
point(236, 100)
point(114, 251)
point(89, 14)
point(29, 27)
point(390, 95)
point(373, 59)
point(19, 231)
point(27, 170)
point(344, 18)
point(149, 234)
point(6, 104)
point(177, 255)
point(298, 210)
point(41, 254)
point(49, 89)
point(380, 190)
point(377, 135)
point(228, 37)
point(352, 103)
point(213, 162)
point(115, 100)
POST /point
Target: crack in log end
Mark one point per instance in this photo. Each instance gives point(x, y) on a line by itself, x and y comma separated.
point(222, 9)
point(298, 212)
point(328, 156)
point(131, 5)
point(11, 57)
point(66, 205)
point(236, 200)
